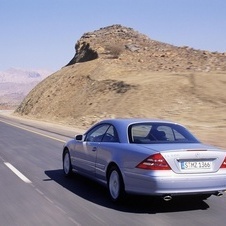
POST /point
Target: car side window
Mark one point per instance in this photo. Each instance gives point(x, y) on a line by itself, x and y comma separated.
point(97, 133)
point(111, 135)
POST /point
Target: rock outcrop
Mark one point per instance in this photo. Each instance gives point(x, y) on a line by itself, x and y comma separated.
point(138, 50)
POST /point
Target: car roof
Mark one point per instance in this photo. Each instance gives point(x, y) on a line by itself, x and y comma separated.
point(128, 121)
point(122, 124)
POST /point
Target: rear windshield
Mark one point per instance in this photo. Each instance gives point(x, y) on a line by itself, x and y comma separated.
point(148, 133)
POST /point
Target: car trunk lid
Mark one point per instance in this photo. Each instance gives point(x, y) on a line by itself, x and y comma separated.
point(191, 158)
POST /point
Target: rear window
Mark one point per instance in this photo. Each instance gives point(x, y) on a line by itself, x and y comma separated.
point(148, 133)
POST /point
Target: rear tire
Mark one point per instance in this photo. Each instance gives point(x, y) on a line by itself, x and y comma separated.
point(67, 168)
point(115, 184)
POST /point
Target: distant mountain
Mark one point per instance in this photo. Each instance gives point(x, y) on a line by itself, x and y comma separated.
point(16, 83)
point(22, 76)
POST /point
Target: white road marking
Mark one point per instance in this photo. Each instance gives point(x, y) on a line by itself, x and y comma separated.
point(26, 180)
point(17, 172)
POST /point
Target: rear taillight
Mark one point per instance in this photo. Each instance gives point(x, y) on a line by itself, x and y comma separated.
point(154, 162)
point(223, 165)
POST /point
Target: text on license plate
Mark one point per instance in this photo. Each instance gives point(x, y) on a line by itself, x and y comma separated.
point(196, 165)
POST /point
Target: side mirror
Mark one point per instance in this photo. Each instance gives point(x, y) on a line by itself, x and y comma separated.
point(79, 137)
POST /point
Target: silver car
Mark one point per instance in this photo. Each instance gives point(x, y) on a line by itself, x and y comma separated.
point(148, 157)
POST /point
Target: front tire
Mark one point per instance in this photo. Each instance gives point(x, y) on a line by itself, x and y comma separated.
point(115, 184)
point(67, 168)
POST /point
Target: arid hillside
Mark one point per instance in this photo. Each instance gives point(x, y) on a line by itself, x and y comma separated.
point(118, 72)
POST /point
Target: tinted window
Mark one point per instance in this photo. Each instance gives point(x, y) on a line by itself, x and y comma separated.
point(111, 135)
point(159, 133)
point(97, 133)
point(102, 133)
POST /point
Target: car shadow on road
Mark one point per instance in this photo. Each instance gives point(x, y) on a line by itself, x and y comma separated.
point(98, 194)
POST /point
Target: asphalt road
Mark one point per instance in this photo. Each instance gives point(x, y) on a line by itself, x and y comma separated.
point(33, 190)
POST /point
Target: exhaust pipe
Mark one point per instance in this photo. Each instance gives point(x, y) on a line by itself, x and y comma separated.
point(167, 198)
point(218, 194)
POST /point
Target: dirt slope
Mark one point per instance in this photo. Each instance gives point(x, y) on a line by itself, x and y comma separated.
point(138, 77)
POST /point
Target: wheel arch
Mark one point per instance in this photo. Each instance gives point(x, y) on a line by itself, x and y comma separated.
point(64, 151)
point(121, 185)
point(113, 164)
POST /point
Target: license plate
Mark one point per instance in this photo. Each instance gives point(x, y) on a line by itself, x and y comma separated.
point(189, 165)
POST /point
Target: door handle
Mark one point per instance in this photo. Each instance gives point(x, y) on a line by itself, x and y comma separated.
point(94, 149)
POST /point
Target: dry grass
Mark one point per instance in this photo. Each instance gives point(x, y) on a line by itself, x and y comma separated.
point(115, 50)
point(82, 94)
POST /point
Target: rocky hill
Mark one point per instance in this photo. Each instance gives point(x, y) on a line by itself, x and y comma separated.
point(118, 72)
point(139, 51)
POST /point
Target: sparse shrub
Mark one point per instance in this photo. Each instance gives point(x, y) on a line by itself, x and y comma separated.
point(115, 49)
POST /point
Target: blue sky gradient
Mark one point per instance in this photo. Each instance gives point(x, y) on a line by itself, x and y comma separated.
point(41, 34)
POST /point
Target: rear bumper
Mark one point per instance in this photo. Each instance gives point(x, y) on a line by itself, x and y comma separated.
point(174, 184)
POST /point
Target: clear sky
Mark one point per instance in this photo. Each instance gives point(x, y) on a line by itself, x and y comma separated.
point(41, 34)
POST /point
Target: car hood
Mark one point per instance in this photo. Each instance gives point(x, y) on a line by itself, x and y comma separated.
point(178, 147)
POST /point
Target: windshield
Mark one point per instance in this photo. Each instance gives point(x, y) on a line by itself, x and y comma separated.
point(149, 133)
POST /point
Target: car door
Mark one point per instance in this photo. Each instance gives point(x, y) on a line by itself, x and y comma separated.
point(109, 144)
point(84, 156)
